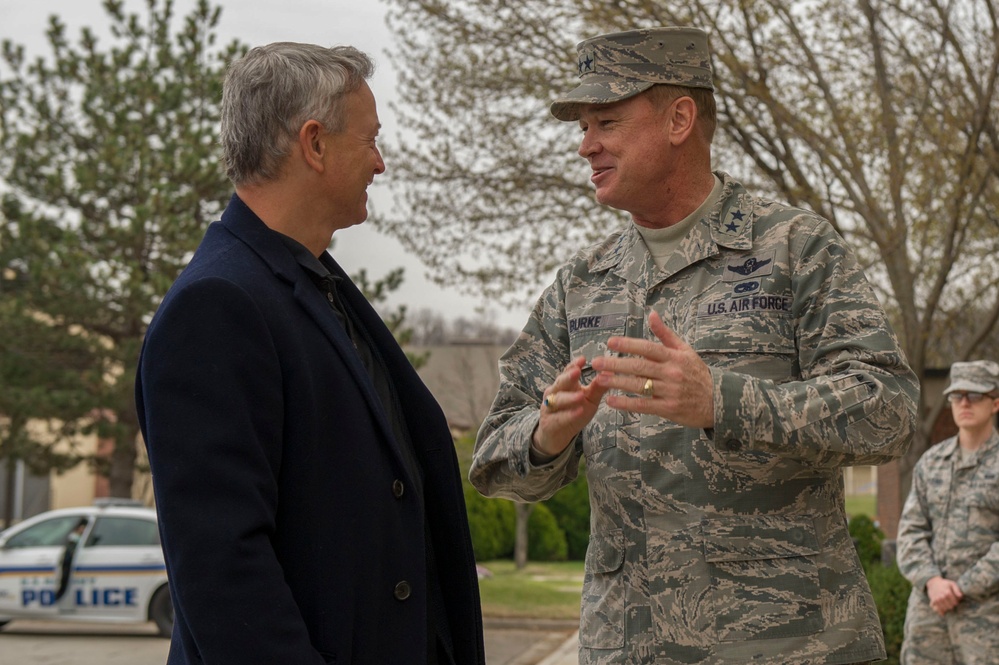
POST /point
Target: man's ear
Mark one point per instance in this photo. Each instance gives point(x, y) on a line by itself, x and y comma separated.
point(312, 145)
point(683, 112)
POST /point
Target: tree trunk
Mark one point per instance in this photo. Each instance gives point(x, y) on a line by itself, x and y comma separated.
point(520, 534)
point(8, 511)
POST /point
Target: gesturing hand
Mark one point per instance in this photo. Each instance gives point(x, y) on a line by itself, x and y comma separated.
point(667, 377)
point(566, 408)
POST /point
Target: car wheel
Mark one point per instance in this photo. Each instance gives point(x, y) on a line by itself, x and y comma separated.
point(161, 611)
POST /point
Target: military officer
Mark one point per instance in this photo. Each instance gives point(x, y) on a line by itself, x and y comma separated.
point(716, 362)
point(948, 537)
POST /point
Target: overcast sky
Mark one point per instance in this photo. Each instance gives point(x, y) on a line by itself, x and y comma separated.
point(360, 23)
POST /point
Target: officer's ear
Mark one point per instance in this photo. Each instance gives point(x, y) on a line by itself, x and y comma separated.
point(683, 118)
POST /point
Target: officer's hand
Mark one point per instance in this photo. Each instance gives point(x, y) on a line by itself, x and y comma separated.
point(680, 389)
point(944, 594)
point(567, 407)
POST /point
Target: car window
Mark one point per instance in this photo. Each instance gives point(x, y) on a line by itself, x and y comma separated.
point(123, 531)
point(49, 533)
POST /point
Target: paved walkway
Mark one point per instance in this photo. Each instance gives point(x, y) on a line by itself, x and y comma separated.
point(530, 642)
point(508, 642)
point(566, 654)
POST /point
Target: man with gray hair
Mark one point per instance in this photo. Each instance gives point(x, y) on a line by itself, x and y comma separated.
point(306, 482)
point(948, 537)
point(717, 362)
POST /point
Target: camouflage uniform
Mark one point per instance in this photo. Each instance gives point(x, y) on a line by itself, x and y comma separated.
point(950, 528)
point(728, 545)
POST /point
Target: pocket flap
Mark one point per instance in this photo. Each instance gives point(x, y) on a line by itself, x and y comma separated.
point(758, 538)
point(605, 553)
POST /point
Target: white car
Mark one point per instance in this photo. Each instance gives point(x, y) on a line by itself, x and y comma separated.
point(117, 569)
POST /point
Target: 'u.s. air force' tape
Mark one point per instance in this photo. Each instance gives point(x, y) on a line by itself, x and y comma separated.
point(757, 303)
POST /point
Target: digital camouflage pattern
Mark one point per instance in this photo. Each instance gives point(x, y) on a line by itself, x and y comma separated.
point(976, 376)
point(730, 545)
point(617, 66)
point(950, 527)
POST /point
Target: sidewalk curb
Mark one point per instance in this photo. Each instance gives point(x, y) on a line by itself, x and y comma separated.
point(502, 623)
point(567, 654)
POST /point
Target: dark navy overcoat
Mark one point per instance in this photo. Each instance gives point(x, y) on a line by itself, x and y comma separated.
point(291, 529)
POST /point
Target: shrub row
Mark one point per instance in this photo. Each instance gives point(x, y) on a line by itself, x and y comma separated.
point(890, 589)
point(558, 529)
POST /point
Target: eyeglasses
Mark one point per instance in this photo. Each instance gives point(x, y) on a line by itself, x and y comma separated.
point(973, 398)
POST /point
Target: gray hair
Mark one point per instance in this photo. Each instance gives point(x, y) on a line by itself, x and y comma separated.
point(275, 89)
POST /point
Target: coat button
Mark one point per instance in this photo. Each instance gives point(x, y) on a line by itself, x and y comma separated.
point(402, 590)
point(329, 296)
point(398, 488)
point(734, 445)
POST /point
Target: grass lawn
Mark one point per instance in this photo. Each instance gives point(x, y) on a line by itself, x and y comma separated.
point(539, 591)
point(862, 504)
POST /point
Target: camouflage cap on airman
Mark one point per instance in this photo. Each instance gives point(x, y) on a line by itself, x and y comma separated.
point(976, 376)
point(622, 64)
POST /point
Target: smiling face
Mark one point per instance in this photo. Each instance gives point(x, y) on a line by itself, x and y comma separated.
point(352, 158)
point(628, 147)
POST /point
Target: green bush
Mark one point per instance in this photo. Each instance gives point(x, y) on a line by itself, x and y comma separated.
point(867, 538)
point(889, 588)
point(545, 540)
point(891, 595)
point(571, 508)
point(491, 523)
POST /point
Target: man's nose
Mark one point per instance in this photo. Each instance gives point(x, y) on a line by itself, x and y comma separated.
point(589, 145)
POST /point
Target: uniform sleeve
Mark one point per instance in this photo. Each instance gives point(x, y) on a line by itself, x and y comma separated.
point(501, 465)
point(915, 533)
point(982, 579)
point(210, 397)
point(855, 401)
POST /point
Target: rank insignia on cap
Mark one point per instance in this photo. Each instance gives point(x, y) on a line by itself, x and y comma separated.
point(587, 62)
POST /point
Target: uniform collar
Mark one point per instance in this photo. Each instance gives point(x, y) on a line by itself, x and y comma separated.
point(728, 224)
point(950, 447)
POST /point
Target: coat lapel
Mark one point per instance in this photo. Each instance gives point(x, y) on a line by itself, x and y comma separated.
point(245, 225)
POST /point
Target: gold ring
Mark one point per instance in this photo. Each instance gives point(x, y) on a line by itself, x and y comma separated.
point(550, 402)
point(647, 388)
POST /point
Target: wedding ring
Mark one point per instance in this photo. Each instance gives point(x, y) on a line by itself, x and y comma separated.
point(647, 389)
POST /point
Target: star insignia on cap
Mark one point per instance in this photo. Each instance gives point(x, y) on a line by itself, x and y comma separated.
point(585, 63)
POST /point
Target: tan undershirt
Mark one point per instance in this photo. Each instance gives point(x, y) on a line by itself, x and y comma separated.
point(663, 242)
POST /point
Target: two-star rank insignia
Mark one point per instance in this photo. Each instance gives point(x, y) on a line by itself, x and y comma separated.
point(737, 216)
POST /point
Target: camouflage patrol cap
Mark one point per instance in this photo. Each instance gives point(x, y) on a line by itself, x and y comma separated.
point(622, 64)
point(976, 376)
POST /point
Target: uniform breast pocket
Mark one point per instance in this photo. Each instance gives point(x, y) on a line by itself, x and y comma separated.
point(983, 506)
point(588, 337)
point(764, 577)
point(761, 343)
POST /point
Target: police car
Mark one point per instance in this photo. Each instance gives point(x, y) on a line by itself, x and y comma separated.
point(117, 568)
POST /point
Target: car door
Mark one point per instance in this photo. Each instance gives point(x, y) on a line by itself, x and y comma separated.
point(118, 568)
point(29, 562)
